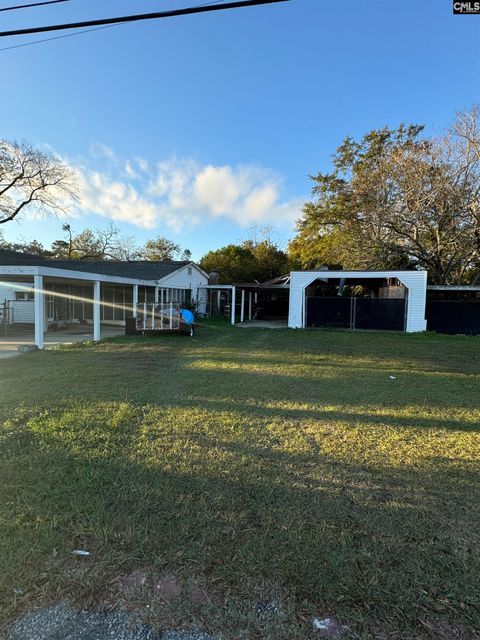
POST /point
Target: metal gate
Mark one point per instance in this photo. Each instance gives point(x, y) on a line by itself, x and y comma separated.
point(386, 314)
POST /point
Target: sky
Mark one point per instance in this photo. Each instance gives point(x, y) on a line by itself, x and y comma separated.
point(200, 128)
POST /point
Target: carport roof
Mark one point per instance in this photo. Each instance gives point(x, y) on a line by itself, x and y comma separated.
point(139, 269)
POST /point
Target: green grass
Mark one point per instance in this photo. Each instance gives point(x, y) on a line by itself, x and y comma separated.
point(262, 465)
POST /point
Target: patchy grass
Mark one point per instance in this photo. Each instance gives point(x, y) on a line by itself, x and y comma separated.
point(259, 466)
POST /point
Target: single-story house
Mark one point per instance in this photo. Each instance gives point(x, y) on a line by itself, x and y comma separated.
point(43, 292)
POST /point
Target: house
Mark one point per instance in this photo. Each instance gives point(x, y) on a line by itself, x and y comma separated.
point(43, 292)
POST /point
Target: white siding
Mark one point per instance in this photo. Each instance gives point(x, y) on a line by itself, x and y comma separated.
point(22, 310)
point(181, 279)
point(414, 281)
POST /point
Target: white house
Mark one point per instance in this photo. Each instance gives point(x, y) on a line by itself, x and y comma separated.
point(43, 291)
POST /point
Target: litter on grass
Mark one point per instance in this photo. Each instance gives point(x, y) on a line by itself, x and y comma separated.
point(329, 627)
point(81, 552)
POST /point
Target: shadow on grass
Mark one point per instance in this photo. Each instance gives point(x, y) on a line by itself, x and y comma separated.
point(395, 545)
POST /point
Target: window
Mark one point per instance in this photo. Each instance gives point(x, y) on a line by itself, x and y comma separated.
point(189, 271)
point(23, 295)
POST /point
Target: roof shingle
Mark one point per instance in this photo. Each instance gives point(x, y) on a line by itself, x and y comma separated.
point(141, 269)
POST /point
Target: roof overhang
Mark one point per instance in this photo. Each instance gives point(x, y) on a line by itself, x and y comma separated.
point(70, 274)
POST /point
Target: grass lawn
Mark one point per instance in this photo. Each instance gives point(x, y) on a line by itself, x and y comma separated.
point(253, 467)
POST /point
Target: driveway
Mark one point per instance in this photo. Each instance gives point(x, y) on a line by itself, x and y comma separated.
point(9, 344)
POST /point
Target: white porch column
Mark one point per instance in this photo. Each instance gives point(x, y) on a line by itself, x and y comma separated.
point(135, 300)
point(96, 310)
point(156, 295)
point(232, 310)
point(39, 310)
point(242, 307)
point(249, 305)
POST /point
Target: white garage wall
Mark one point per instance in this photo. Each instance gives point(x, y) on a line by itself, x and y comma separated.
point(414, 281)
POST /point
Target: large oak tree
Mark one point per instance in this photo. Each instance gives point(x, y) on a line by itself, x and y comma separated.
point(397, 199)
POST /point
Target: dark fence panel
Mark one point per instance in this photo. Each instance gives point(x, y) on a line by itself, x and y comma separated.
point(387, 314)
point(453, 316)
point(329, 312)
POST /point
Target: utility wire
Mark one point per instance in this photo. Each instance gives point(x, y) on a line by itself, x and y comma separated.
point(142, 16)
point(65, 35)
point(33, 4)
point(79, 33)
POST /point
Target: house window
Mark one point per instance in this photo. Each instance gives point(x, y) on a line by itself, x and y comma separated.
point(23, 295)
point(189, 271)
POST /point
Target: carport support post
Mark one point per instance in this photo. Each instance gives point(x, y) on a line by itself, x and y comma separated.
point(135, 300)
point(96, 310)
point(249, 305)
point(39, 310)
point(242, 308)
point(232, 310)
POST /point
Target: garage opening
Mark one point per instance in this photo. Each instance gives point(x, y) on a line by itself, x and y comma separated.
point(263, 303)
point(361, 304)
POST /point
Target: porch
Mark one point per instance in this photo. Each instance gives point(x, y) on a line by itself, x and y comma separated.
point(74, 303)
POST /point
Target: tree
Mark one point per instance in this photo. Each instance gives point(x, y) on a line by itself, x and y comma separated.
point(32, 180)
point(96, 244)
point(234, 263)
point(252, 260)
point(271, 261)
point(27, 246)
point(397, 200)
point(162, 249)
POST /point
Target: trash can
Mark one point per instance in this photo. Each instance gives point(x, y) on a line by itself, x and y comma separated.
point(130, 326)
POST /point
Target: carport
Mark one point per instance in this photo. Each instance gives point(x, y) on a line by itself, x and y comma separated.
point(266, 302)
point(403, 313)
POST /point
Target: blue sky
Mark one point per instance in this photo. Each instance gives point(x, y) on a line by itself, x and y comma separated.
point(200, 127)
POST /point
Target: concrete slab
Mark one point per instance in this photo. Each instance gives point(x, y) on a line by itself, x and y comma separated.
point(9, 344)
point(263, 324)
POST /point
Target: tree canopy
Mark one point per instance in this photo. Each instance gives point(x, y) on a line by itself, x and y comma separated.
point(164, 250)
point(100, 244)
point(252, 260)
point(397, 199)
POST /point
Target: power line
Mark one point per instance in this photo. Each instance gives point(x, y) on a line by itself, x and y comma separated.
point(33, 4)
point(65, 35)
point(142, 16)
point(79, 33)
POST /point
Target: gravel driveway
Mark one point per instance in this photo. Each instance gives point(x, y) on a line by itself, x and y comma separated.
point(62, 623)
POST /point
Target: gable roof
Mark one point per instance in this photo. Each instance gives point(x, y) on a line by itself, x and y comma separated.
point(141, 269)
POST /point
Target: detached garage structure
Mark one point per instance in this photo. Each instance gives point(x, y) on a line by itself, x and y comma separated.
point(397, 300)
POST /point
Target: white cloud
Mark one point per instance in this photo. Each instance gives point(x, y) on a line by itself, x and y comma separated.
point(115, 200)
point(100, 150)
point(181, 193)
point(142, 164)
point(130, 171)
point(219, 190)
